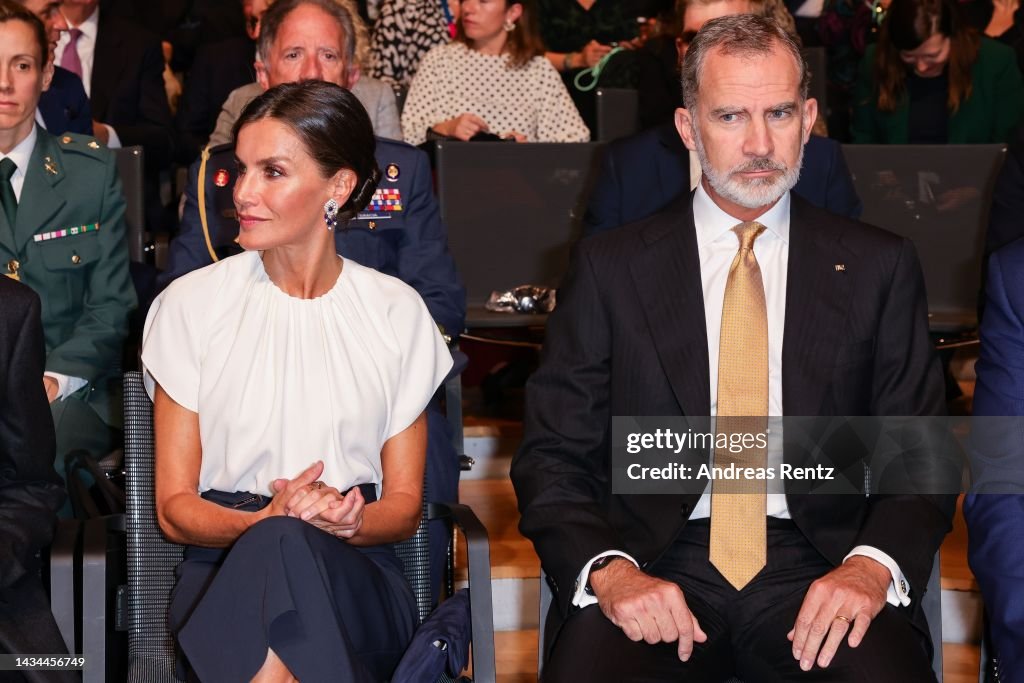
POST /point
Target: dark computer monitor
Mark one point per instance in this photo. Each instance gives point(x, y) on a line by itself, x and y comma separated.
point(938, 196)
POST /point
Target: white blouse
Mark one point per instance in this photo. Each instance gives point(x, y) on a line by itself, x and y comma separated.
point(454, 79)
point(280, 382)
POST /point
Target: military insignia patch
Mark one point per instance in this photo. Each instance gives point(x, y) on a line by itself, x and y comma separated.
point(94, 145)
point(385, 199)
point(391, 171)
point(50, 167)
point(221, 178)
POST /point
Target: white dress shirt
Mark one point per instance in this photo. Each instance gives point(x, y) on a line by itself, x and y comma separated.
point(21, 155)
point(87, 55)
point(717, 245)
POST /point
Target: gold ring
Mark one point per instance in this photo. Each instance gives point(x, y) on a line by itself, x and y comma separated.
point(841, 617)
point(317, 485)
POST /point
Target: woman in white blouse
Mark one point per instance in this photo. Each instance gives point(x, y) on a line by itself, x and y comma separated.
point(289, 386)
point(492, 79)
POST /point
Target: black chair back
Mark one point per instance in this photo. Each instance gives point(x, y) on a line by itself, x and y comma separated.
point(130, 163)
point(513, 211)
point(939, 197)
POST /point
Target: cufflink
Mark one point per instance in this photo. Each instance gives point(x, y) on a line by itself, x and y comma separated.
point(903, 586)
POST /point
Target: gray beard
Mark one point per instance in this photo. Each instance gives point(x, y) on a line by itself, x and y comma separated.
point(752, 194)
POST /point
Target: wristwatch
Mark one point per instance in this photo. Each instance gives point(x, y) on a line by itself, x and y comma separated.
point(599, 563)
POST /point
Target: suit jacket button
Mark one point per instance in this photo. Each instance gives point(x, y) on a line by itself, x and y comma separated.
point(76, 259)
point(373, 225)
point(13, 265)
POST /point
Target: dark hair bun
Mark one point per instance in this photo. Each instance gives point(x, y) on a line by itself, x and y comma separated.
point(361, 195)
point(333, 126)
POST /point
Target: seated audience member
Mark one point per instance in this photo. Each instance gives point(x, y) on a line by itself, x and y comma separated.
point(63, 235)
point(578, 34)
point(121, 66)
point(493, 79)
point(739, 279)
point(643, 174)
point(290, 506)
point(375, 96)
point(994, 510)
point(400, 233)
point(931, 79)
point(64, 106)
point(30, 490)
point(404, 32)
point(217, 69)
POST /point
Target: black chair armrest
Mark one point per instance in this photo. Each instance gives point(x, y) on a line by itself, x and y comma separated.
point(478, 551)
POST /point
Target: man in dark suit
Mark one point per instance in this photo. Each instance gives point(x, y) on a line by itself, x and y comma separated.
point(30, 490)
point(64, 106)
point(122, 65)
point(995, 509)
point(400, 232)
point(644, 173)
point(741, 300)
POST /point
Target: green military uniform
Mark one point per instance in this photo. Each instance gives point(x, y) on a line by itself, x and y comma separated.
point(68, 244)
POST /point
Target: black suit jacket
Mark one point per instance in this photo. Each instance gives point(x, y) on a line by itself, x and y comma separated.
point(128, 87)
point(30, 490)
point(65, 106)
point(642, 174)
point(629, 338)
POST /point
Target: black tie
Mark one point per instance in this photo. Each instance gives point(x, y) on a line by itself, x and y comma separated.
point(7, 198)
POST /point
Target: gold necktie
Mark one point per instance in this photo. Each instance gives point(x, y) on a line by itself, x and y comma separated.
point(738, 512)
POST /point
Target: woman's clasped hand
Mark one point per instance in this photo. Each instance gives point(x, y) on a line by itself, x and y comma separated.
point(313, 501)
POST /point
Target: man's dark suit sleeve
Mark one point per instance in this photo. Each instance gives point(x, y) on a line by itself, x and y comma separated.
point(146, 121)
point(996, 520)
point(604, 210)
point(559, 472)
point(1005, 224)
point(30, 490)
point(424, 262)
point(840, 194)
point(907, 380)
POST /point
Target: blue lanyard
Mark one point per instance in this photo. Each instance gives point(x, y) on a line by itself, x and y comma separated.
point(447, 12)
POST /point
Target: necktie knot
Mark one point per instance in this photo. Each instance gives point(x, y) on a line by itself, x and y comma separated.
point(7, 169)
point(73, 35)
point(747, 233)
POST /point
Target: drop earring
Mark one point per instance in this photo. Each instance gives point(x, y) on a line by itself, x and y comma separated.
point(331, 213)
point(509, 26)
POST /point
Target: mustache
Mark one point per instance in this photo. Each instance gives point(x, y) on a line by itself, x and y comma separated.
point(760, 164)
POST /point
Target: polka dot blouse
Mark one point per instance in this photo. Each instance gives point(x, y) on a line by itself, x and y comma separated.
point(454, 79)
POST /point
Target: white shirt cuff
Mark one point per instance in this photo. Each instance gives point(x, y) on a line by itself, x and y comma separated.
point(581, 598)
point(66, 385)
point(113, 142)
point(899, 590)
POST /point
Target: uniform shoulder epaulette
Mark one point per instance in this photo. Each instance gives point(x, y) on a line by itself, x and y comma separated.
point(82, 144)
point(226, 148)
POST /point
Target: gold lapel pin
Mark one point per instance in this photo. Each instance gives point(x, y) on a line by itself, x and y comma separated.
point(840, 267)
point(50, 167)
point(94, 145)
